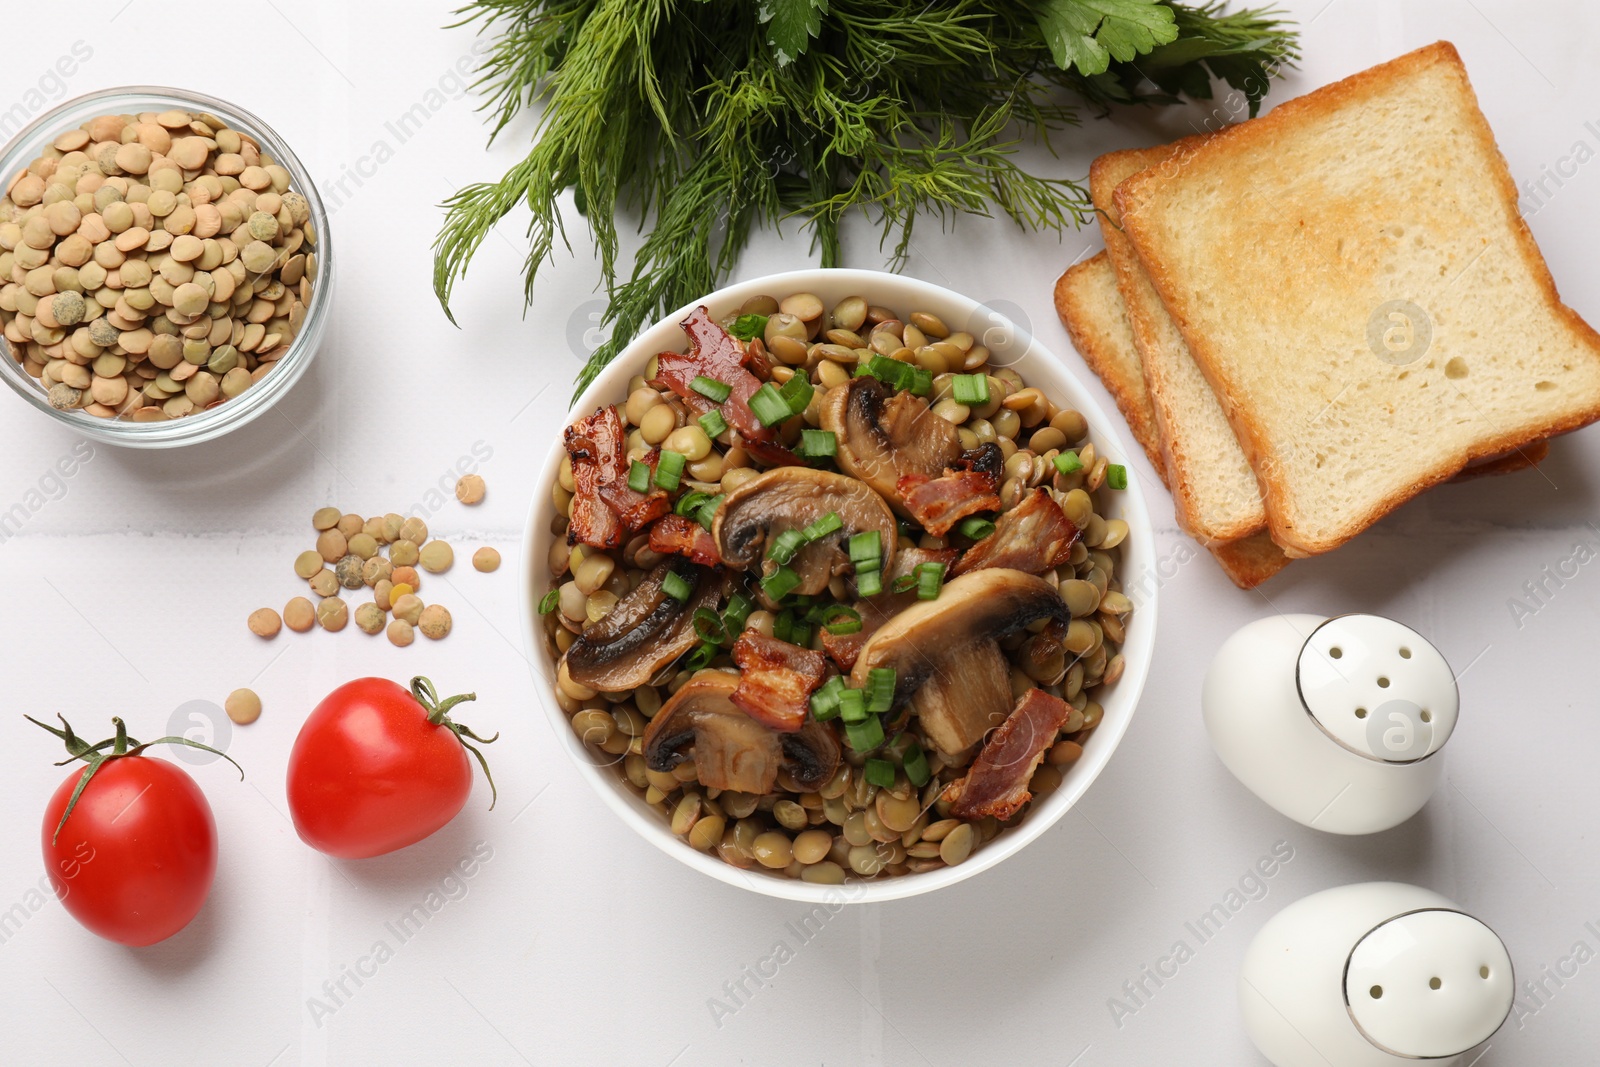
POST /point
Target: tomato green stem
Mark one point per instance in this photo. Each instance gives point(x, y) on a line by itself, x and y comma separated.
point(438, 714)
point(122, 746)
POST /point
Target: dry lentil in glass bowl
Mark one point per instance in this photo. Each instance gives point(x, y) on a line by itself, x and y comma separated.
point(838, 612)
point(268, 310)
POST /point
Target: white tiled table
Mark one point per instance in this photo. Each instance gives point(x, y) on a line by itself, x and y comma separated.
point(126, 592)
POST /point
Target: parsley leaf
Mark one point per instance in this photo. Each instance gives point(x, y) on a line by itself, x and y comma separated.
point(790, 26)
point(1089, 34)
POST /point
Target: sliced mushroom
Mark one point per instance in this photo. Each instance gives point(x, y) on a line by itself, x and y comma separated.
point(645, 631)
point(792, 498)
point(950, 645)
point(730, 750)
point(969, 697)
point(883, 435)
point(997, 784)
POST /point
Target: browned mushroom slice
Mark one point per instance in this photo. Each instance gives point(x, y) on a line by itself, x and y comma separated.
point(792, 498)
point(647, 630)
point(883, 435)
point(730, 750)
point(933, 643)
point(967, 698)
point(997, 784)
point(1033, 536)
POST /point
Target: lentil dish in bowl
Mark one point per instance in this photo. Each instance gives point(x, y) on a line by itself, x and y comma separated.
point(825, 583)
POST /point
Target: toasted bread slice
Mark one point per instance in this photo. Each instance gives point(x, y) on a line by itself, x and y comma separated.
point(1097, 321)
point(1214, 490)
point(1351, 274)
point(1091, 308)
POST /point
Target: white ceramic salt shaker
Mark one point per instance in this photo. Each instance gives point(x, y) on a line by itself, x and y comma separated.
point(1335, 722)
point(1374, 975)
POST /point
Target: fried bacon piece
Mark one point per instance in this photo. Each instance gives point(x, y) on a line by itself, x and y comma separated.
point(1033, 537)
point(844, 648)
point(594, 444)
point(968, 486)
point(997, 783)
point(714, 353)
point(777, 681)
point(675, 535)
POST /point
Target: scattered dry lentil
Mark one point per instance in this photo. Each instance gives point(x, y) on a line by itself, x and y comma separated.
point(242, 706)
point(434, 622)
point(469, 490)
point(486, 559)
point(264, 622)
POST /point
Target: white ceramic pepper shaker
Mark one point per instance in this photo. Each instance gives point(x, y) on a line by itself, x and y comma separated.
point(1335, 722)
point(1379, 974)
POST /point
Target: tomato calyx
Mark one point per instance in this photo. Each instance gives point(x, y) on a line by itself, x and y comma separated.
point(439, 715)
point(96, 756)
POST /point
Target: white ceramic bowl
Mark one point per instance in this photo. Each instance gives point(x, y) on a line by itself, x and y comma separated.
point(1011, 347)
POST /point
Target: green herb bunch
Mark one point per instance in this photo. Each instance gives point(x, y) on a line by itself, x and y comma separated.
point(710, 117)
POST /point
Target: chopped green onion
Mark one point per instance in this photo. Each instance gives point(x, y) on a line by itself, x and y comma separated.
point(748, 327)
point(639, 475)
point(736, 613)
point(880, 772)
point(930, 577)
point(675, 586)
point(701, 657)
point(866, 548)
point(797, 392)
point(970, 389)
point(853, 706)
point(825, 701)
point(548, 604)
point(707, 627)
point(713, 423)
point(921, 381)
point(864, 736)
point(785, 545)
point(690, 502)
point(890, 371)
point(780, 583)
point(768, 406)
point(869, 583)
point(669, 469)
point(1067, 462)
point(708, 511)
point(880, 689)
point(904, 583)
point(916, 766)
point(840, 619)
point(829, 523)
point(1116, 476)
point(791, 628)
point(817, 444)
point(975, 528)
point(710, 388)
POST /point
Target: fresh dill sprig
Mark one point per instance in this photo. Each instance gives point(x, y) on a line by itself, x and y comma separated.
point(709, 118)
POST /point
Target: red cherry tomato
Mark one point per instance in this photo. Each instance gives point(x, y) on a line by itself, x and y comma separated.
point(377, 768)
point(133, 857)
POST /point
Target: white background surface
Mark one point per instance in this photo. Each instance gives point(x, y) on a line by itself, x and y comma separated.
point(577, 943)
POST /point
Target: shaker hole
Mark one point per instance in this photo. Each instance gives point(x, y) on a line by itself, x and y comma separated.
point(1383, 683)
point(1376, 991)
point(1405, 653)
point(1336, 652)
point(1434, 983)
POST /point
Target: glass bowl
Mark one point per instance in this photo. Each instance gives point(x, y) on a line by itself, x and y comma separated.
point(212, 423)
